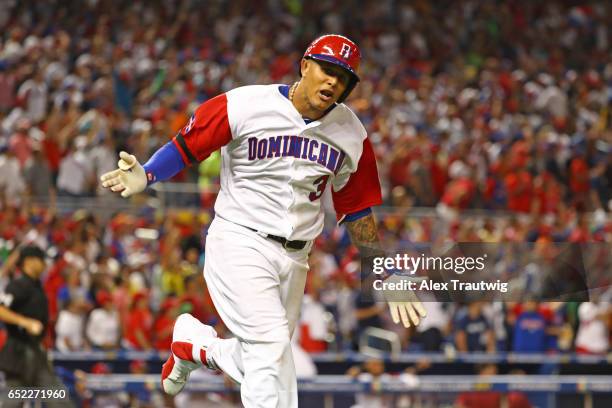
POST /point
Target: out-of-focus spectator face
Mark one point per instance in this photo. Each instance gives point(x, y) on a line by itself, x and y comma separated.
point(375, 366)
point(170, 306)
point(101, 368)
point(475, 309)
point(140, 301)
point(138, 367)
point(400, 199)
point(487, 369)
point(73, 276)
point(530, 306)
point(105, 300)
point(78, 305)
point(194, 283)
point(192, 255)
point(34, 266)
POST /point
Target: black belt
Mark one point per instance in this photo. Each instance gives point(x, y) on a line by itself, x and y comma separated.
point(295, 245)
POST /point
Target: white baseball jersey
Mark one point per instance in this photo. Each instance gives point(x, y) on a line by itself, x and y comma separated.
point(275, 167)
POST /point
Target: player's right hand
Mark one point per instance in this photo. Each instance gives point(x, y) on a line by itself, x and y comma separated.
point(129, 178)
point(407, 312)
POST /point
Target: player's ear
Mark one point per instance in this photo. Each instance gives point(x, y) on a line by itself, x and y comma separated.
point(304, 66)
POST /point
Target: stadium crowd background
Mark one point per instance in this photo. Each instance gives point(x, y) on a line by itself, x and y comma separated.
point(502, 107)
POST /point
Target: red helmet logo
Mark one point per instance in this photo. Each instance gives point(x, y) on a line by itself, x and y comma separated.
point(346, 51)
point(328, 50)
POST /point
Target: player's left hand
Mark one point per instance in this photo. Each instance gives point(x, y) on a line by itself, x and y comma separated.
point(405, 306)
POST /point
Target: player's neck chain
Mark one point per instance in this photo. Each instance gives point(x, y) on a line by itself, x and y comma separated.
point(291, 94)
point(292, 90)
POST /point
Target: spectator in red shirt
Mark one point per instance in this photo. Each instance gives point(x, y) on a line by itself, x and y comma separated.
point(438, 169)
point(519, 186)
point(548, 194)
point(199, 299)
point(164, 323)
point(399, 168)
point(459, 191)
point(578, 175)
point(581, 232)
point(8, 80)
point(54, 282)
point(139, 323)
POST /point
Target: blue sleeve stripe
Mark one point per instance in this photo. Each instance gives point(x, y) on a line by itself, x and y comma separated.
point(164, 164)
point(181, 142)
point(357, 215)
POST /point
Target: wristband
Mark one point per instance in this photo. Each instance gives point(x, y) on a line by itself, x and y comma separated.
point(164, 164)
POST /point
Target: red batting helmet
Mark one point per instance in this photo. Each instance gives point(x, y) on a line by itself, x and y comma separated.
point(338, 50)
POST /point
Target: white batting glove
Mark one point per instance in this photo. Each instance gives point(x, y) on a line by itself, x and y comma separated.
point(129, 178)
point(404, 305)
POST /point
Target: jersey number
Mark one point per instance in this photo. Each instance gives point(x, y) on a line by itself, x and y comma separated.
point(320, 183)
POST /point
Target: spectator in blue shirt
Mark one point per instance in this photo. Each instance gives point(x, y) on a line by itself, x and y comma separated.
point(529, 330)
point(474, 331)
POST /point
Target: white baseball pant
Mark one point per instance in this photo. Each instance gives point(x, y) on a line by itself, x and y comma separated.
point(256, 286)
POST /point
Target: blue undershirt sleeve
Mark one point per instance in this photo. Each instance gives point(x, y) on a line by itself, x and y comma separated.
point(357, 215)
point(164, 164)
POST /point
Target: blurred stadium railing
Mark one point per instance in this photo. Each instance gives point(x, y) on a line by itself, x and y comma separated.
point(424, 391)
point(169, 195)
point(355, 357)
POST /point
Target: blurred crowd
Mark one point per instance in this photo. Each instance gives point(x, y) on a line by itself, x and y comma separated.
point(469, 104)
point(121, 282)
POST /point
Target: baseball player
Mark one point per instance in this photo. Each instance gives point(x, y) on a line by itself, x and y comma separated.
point(281, 146)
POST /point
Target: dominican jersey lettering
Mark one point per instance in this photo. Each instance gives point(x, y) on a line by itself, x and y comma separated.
point(275, 167)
